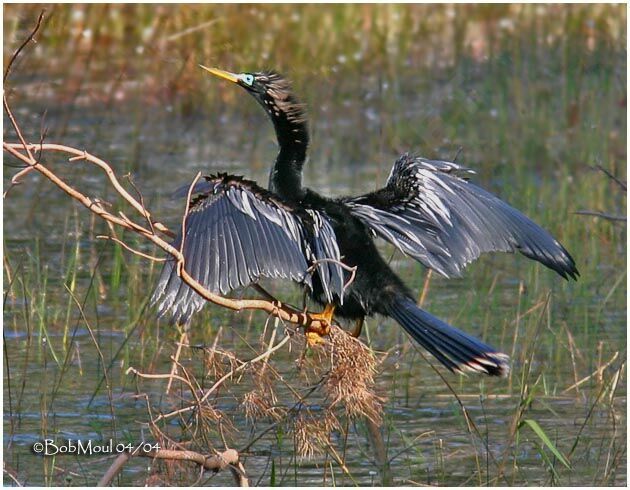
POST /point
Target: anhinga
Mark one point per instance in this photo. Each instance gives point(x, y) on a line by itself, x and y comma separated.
point(238, 232)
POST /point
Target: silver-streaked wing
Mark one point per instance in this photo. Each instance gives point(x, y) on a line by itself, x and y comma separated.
point(237, 233)
point(431, 213)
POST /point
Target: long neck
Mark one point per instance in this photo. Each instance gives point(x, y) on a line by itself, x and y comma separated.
point(288, 116)
point(285, 177)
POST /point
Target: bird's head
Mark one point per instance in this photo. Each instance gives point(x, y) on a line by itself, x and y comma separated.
point(272, 91)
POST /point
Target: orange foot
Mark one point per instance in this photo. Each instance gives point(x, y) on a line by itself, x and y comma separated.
point(314, 333)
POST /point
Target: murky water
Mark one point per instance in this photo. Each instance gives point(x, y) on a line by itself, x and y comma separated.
point(50, 392)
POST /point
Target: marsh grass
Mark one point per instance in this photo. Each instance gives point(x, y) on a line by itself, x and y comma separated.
point(534, 96)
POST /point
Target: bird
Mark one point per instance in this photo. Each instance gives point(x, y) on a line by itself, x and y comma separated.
point(238, 232)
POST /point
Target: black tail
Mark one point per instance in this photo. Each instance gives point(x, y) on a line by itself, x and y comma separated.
point(458, 351)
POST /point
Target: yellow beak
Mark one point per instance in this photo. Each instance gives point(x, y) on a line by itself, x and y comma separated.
point(222, 74)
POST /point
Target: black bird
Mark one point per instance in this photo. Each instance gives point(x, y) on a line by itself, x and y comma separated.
point(238, 232)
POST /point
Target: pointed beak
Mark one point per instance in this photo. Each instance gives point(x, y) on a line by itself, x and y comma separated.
point(222, 74)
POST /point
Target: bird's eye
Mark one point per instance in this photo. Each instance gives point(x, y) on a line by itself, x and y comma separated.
point(248, 79)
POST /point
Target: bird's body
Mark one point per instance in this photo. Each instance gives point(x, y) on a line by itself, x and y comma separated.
point(374, 279)
point(238, 232)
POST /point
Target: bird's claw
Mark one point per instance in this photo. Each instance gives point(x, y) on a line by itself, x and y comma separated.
point(313, 339)
point(319, 326)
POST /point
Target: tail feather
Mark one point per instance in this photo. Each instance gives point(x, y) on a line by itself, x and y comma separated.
point(458, 351)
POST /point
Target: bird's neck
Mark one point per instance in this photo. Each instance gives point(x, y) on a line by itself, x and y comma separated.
point(285, 178)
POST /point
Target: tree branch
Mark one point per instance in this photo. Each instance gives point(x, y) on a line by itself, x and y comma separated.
point(227, 459)
point(285, 312)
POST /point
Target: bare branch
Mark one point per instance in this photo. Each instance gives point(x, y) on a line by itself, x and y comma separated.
point(15, 180)
point(141, 198)
point(352, 270)
point(133, 370)
point(216, 385)
point(227, 459)
point(17, 130)
point(613, 177)
point(132, 250)
point(10, 474)
point(599, 214)
point(283, 311)
point(185, 219)
point(4, 97)
point(92, 205)
point(23, 45)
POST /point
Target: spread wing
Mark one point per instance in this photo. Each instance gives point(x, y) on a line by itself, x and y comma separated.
point(236, 233)
point(430, 212)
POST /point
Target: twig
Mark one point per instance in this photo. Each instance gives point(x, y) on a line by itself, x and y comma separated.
point(180, 265)
point(182, 338)
point(132, 370)
point(84, 155)
point(597, 372)
point(227, 459)
point(190, 30)
point(613, 177)
point(4, 97)
point(270, 345)
point(282, 311)
point(17, 131)
point(218, 383)
point(23, 45)
point(352, 270)
point(135, 226)
point(12, 476)
point(114, 469)
point(15, 180)
point(141, 198)
point(599, 214)
point(92, 205)
point(127, 247)
point(425, 288)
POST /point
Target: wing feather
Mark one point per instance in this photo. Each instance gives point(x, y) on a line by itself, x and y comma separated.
point(236, 233)
point(430, 212)
point(224, 270)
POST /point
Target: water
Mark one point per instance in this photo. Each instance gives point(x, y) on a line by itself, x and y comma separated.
point(54, 384)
